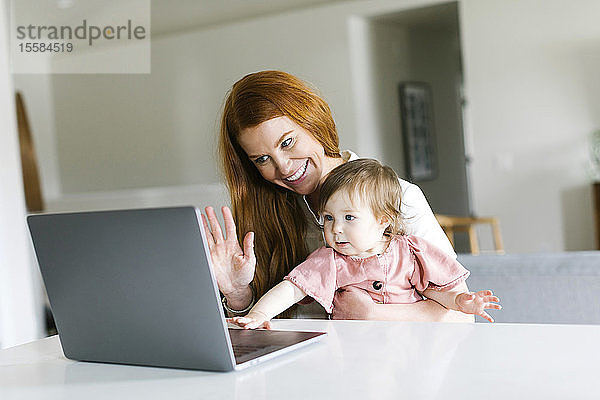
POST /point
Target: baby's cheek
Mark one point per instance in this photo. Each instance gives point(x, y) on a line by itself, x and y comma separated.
point(328, 239)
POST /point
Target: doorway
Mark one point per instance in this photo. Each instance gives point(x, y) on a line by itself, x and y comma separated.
point(417, 45)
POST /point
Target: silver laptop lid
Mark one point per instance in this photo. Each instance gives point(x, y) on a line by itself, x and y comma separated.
point(133, 287)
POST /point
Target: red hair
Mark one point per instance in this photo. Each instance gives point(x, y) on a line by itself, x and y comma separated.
point(270, 211)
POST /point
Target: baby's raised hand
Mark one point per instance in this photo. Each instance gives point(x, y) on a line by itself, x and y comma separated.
point(477, 302)
point(254, 320)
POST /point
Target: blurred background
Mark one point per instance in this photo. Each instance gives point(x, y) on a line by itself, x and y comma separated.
point(515, 99)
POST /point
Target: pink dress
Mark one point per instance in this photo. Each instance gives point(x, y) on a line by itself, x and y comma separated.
point(408, 265)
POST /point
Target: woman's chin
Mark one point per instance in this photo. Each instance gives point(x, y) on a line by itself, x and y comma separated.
point(303, 188)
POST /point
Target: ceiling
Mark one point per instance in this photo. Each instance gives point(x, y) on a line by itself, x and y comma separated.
point(167, 16)
point(170, 16)
point(440, 16)
point(174, 16)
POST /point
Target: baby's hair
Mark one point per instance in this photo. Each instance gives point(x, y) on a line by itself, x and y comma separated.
point(370, 182)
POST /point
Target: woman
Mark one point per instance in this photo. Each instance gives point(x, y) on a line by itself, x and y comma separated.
point(278, 142)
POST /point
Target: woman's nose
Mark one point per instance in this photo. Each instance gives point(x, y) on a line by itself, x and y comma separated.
point(284, 165)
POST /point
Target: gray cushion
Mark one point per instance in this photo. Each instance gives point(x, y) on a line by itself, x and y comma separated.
point(552, 288)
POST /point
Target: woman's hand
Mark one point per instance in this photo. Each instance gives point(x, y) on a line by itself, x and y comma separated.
point(233, 268)
point(351, 302)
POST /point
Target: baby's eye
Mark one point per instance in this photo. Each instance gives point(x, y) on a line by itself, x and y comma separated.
point(349, 217)
point(261, 160)
point(328, 218)
point(286, 142)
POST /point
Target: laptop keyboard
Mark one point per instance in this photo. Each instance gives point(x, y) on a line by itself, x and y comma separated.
point(249, 344)
point(240, 350)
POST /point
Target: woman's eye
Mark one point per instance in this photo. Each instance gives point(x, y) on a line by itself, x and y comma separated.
point(261, 160)
point(286, 142)
point(328, 218)
point(349, 217)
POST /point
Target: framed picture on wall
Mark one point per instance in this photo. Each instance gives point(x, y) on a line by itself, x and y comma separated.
point(416, 112)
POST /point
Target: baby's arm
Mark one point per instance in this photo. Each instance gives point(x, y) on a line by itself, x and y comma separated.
point(278, 299)
point(467, 302)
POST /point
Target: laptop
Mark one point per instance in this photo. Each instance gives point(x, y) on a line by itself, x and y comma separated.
point(136, 287)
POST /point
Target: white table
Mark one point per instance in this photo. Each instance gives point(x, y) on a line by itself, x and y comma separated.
point(359, 360)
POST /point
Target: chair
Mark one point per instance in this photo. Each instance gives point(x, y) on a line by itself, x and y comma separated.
point(451, 224)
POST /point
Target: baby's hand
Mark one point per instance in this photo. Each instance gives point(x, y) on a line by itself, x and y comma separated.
point(476, 303)
point(254, 320)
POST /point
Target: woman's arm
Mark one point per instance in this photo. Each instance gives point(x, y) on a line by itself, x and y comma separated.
point(419, 219)
point(355, 303)
point(276, 300)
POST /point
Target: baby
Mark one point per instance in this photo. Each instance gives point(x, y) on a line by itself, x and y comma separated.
point(359, 207)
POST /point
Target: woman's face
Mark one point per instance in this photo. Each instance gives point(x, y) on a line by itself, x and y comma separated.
point(287, 155)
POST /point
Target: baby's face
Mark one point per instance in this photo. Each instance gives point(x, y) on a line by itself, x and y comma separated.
point(351, 228)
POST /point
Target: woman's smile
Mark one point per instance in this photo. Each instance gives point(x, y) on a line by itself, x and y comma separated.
point(299, 175)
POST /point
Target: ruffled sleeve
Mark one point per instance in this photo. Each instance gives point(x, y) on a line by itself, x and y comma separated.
point(316, 276)
point(433, 268)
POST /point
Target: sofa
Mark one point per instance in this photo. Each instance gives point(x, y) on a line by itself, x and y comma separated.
point(550, 288)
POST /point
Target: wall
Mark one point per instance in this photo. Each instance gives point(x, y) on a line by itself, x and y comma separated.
point(533, 91)
point(530, 81)
point(19, 312)
point(379, 63)
point(119, 132)
point(162, 127)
